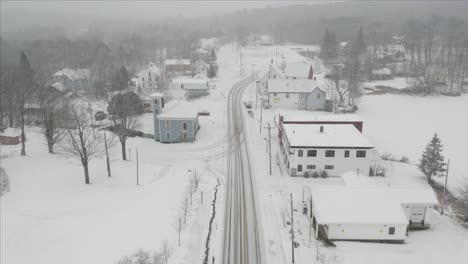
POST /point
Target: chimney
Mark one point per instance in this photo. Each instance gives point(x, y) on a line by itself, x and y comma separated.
point(321, 129)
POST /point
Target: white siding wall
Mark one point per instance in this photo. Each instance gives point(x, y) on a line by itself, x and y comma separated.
point(280, 100)
point(340, 163)
point(412, 213)
point(365, 232)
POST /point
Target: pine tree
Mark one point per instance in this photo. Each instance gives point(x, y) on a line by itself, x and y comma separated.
point(325, 47)
point(358, 46)
point(211, 71)
point(24, 83)
point(432, 161)
point(212, 55)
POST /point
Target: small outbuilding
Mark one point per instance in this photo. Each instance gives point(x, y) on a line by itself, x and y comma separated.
point(382, 74)
point(10, 136)
point(193, 88)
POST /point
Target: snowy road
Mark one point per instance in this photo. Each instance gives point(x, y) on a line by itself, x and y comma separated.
point(242, 235)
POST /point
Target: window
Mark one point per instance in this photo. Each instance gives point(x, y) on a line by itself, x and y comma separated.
point(155, 102)
point(318, 96)
point(182, 86)
point(311, 153)
point(391, 230)
point(329, 167)
point(299, 167)
point(184, 126)
point(168, 135)
point(360, 154)
point(147, 105)
point(330, 153)
point(184, 136)
point(287, 95)
point(274, 94)
point(311, 167)
point(167, 123)
point(156, 111)
point(346, 153)
point(300, 153)
point(274, 76)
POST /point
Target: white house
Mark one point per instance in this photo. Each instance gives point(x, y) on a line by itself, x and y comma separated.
point(370, 214)
point(301, 94)
point(148, 78)
point(193, 88)
point(272, 73)
point(200, 67)
point(311, 149)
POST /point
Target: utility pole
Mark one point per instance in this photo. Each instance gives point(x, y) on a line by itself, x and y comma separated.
point(254, 87)
point(292, 229)
point(269, 142)
point(241, 69)
point(445, 188)
point(261, 116)
point(137, 167)
point(107, 156)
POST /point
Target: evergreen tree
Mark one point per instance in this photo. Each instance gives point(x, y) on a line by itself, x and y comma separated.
point(121, 79)
point(211, 71)
point(325, 47)
point(358, 46)
point(24, 79)
point(212, 55)
point(432, 162)
point(333, 46)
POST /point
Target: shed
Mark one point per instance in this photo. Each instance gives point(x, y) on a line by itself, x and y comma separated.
point(10, 136)
point(194, 88)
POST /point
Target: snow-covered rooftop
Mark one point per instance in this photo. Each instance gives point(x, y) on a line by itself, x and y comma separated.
point(336, 135)
point(190, 84)
point(304, 116)
point(298, 70)
point(178, 62)
point(200, 50)
point(11, 132)
point(200, 76)
point(292, 86)
point(59, 86)
point(383, 71)
point(179, 109)
point(343, 204)
point(73, 74)
point(156, 95)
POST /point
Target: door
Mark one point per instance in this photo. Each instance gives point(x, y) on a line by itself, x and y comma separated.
point(417, 213)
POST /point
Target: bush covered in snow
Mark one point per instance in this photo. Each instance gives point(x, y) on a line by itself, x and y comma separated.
point(4, 182)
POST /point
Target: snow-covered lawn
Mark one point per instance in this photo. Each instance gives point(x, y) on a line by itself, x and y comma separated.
point(403, 125)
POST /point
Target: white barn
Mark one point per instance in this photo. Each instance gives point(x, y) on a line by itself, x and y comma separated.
point(327, 148)
point(301, 94)
point(367, 214)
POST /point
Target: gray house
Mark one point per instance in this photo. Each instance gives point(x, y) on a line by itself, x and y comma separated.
point(300, 94)
point(176, 121)
point(75, 80)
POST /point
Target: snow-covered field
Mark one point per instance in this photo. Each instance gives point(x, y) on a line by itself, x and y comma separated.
point(403, 125)
point(51, 216)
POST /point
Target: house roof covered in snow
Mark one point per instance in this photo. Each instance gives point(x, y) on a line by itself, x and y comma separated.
point(292, 86)
point(156, 95)
point(190, 84)
point(177, 62)
point(383, 71)
point(342, 204)
point(200, 51)
point(298, 70)
point(179, 109)
point(200, 76)
point(345, 205)
point(333, 136)
point(304, 116)
point(73, 74)
point(59, 86)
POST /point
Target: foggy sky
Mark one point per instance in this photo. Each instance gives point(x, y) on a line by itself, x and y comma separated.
point(23, 14)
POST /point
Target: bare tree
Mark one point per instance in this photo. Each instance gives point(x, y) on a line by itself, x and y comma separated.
point(165, 251)
point(80, 142)
point(179, 225)
point(7, 94)
point(52, 114)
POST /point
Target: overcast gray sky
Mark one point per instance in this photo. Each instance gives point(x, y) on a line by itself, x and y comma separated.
point(19, 14)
